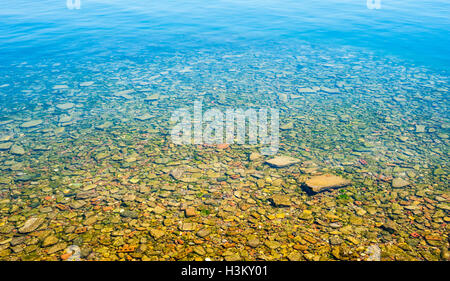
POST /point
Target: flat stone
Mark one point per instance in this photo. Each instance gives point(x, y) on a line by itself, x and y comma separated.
point(56, 248)
point(129, 214)
point(390, 226)
point(17, 150)
point(5, 137)
point(294, 256)
point(65, 118)
point(203, 232)
point(254, 156)
point(50, 240)
point(253, 242)
point(124, 94)
point(105, 125)
point(329, 90)
point(90, 221)
point(280, 200)
point(282, 161)
point(153, 97)
point(86, 84)
point(187, 226)
point(159, 210)
point(177, 173)
point(5, 145)
point(77, 204)
point(399, 183)
point(272, 244)
point(199, 250)
point(325, 182)
point(306, 90)
point(65, 106)
point(156, 233)
point(32, 123)
point(190, 212)
point(31, 225)
point(144, 117)
point(288, 126)
point(420, 129)
point(233, 257)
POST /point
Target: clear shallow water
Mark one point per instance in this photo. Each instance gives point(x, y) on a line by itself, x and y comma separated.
point(415, 30)
point(86, 159)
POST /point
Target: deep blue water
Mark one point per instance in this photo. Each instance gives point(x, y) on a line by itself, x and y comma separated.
point(417, 31)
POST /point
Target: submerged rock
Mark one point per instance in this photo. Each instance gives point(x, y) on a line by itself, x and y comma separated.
point(5, 145)
point(5, 137)
point(65, 106)
point(144, 117)
point(203, 232)
point(177, 173)
point(280, 200)
point(86, 84)
point(31, 225)
point(420, 129)
point(65, 118)
point(254, 156)
point(325, 182)
point(253, 242)
point(190, 212)
point(32, 123)
point(156, 233)
point(124, 94)
point(17, 150)
point(282, 161)
point(105, 125)
point(153, 97)
point(50, 240)
point(399, 183)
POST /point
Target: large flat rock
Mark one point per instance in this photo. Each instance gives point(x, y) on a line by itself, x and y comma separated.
point(31, 225)
point(31, 123)
point(282, 161)
point(325, 182)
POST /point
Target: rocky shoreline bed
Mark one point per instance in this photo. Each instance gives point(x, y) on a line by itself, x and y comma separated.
point(361, 174)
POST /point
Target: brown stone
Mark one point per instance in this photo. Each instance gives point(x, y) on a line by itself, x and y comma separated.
point(325, 182)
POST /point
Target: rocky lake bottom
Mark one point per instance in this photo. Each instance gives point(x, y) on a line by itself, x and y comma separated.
point(88, 170)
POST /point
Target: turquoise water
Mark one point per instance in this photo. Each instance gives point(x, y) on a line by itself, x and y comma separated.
point(414, 30)
point(88, 169)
